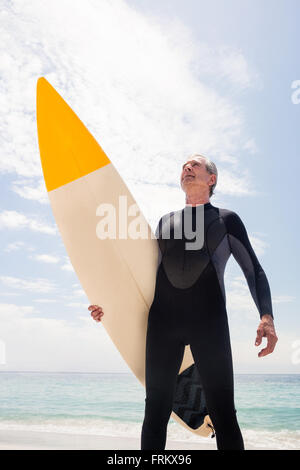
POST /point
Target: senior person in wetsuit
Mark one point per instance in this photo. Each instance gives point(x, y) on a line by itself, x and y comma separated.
point(189, 307)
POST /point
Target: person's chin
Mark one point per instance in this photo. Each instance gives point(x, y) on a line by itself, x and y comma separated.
point(187, 181)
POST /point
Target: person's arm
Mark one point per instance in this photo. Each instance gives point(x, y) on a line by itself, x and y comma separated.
point(244, 254)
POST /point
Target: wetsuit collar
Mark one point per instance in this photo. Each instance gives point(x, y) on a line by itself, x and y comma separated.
point(207, 205)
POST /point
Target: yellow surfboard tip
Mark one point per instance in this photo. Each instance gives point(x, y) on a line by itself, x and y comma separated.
point(41, 84)
point(41, 80)
point(68, 150)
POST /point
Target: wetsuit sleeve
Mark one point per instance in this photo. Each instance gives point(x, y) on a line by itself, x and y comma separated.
point(159, 241)
point(244, 254)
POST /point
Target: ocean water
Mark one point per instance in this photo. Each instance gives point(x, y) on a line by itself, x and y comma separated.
point(268, 406)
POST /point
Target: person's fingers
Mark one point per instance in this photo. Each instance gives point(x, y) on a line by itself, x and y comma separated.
point(96, 310)
point(263, 352)
point(259, 336)
point(272, 340)
point(98, 316)
point(93, 307)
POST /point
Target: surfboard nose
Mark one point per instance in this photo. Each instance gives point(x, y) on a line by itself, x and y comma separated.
point(68, 150)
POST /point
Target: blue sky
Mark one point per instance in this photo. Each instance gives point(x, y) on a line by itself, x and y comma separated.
point(154, 81)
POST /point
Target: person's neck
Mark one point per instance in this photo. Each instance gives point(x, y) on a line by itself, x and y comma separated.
point(196, 200)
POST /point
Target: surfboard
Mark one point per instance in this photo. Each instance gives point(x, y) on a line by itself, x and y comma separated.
point(117, 273)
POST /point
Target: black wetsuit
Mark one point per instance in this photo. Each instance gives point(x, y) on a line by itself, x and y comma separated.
point(189, 307)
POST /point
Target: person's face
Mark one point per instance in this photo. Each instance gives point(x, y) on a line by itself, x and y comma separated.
point(194, 174)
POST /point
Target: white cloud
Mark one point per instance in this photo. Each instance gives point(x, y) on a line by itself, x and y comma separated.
point(245, 353)
point(18, 245)
point(79, 305)
point(234, 66)
point(133, 80)
point(243, 319)
point(229, 64)
point(10, 294)
point(259, 246)
point(17, 220)
point(251, 146)
point(31, 190)
point(234, 183)
point(37, 343)
point(78, 293)
point(67, 266)
point(14, 246)
point(45, 258)
point(239, 299)
point(33, 285)
point(279, 299)
point(8, 311)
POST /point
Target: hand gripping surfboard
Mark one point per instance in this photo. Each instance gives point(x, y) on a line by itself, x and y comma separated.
point(117, 273)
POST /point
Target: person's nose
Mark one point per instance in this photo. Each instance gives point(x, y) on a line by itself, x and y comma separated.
point(187, 168)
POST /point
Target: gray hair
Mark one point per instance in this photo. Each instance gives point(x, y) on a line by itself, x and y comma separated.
point(211, 169)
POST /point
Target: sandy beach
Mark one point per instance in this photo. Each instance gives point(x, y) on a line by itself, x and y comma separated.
point(13, 440)
point(20, 440)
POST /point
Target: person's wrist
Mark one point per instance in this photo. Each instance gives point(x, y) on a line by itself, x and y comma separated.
point(266, 317)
